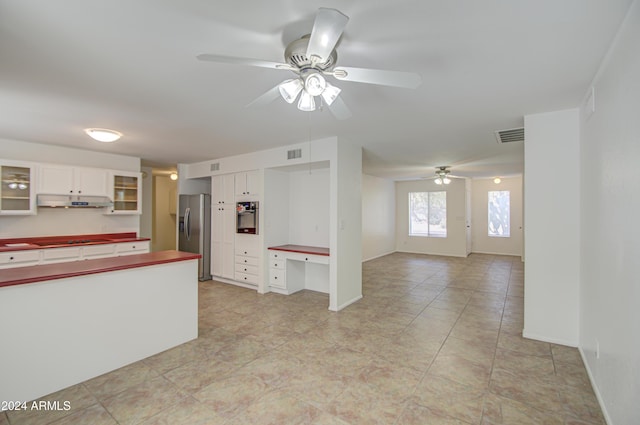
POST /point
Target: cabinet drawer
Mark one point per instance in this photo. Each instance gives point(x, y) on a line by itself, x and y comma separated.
point(248, 251)
point(243, 268)
point(59, 255)
point(277, 255)
point(98, 251)
point(249, 261)
point(278, 264)
point(310, 258)
point(128, 248)
point(21, 258)
point(247, 278)
point(278, 278)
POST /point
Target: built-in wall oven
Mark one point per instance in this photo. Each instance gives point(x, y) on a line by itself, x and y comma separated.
point(247, 221)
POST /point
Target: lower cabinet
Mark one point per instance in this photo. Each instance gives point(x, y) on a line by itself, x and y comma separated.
point(34, 257)
point(247, 259)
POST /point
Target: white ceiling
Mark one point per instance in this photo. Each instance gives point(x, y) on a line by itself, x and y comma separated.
point(131, 66)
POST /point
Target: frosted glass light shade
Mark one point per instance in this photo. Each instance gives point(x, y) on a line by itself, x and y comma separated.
point(330, 94)
point(103, 135)
point(438, 181)
point(306, 102)
point(315, 84)
point(446, 180)
point(290, 89)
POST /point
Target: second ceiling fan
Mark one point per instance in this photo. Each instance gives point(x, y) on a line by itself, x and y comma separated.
point(313, 58)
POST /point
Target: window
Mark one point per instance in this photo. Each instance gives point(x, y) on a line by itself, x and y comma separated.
point(499, 214)
point(428, 214)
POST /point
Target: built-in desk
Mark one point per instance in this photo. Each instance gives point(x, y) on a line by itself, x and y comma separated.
point(296, 267)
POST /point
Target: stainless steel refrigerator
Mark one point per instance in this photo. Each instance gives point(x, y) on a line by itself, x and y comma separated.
point(194, 230)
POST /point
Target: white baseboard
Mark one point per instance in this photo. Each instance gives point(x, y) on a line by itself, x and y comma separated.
point(377, 256)
point(543, 338)
point(596, 391)
point(434, 253)
point(348, 303)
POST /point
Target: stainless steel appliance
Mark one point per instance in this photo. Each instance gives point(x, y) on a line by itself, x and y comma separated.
point(194, 230)
point(247, 221)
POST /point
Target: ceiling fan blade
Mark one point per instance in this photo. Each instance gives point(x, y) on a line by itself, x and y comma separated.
point(265, 98)
point(339, 109)
point(327, 29)
point(407, 80)
point(243, 61)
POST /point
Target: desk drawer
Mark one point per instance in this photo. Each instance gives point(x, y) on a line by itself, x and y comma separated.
point(278, 264)
point(278, 278)
point(277, 255)
point(310, 258)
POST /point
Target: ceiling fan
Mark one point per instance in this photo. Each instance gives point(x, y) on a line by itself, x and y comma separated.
point(443, 175)
point(312, 58)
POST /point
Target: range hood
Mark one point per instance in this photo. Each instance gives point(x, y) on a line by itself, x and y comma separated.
point(73, 201)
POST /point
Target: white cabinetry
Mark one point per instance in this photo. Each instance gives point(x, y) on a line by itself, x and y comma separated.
point(223, 226)
point(125, 190)
point(248, 183)
point(65, 180)
point(98, 251)
point(17, 188)
point(247, 259)
point(19, 258)
point(61, 255)
point(130, 248)
point(277, 270)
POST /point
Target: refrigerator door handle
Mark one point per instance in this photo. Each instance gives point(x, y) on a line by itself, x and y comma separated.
point(187, 223)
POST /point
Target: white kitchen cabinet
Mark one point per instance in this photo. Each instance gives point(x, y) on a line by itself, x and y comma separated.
point(65, 180)
point(248, 183)
point(131, 248)
point(222, 190)
point(247, 259)
point(17, 188)
point(61, 255)
point(222, 240)
point(19, 258)
point(125, 189)
point(91, 252)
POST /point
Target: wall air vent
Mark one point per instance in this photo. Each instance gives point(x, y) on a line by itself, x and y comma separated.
point(511, 135)
point(215, 166)
point(294, 154)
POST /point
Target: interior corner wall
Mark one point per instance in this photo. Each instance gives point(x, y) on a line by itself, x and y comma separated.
point(481, 241)
point(552, 214)
point(378, 217)
point(610, 248)
point(455, 244)
point(146, 218)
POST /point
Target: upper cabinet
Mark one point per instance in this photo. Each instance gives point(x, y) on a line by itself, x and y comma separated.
point(65, 180)
point(17, 191)
point(222, 189)
point(125, 191)
point(248, 183)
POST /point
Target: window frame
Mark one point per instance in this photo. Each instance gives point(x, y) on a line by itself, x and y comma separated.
point(429, 233)
point(508, 215)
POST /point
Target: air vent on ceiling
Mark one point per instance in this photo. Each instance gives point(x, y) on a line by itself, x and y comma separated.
point(215, 166)
point(294, 153)
point(511, 135)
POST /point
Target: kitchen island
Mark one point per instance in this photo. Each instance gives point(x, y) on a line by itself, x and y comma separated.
point(61, 324)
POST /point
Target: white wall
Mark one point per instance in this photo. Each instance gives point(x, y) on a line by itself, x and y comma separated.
point(53, 222)
point(610, 247)
point(481, 241)
point(378, 217)
point(309, 207)
point(552, 220)
point(455, 244)
point(146, 219)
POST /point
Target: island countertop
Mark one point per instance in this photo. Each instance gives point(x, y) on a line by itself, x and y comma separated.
point(44, 272)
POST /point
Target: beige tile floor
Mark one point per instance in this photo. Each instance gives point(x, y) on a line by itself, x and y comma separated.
point(435, 340)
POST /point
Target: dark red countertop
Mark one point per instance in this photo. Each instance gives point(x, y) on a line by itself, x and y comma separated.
point(304, 249)
point(39, 242)
point(44, 272)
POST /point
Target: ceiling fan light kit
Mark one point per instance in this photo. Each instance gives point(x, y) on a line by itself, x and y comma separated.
point(313, 57)
point(442, 176)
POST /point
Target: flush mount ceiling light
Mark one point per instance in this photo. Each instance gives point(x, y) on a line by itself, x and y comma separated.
point(497, 180)
point(173, 176)
point(103, 135)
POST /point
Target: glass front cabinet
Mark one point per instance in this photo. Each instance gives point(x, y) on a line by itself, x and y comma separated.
point(17, 191)
point(126, 192)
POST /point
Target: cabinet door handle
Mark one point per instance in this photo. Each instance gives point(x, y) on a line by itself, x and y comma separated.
point(306, 259)
point(10, 258)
